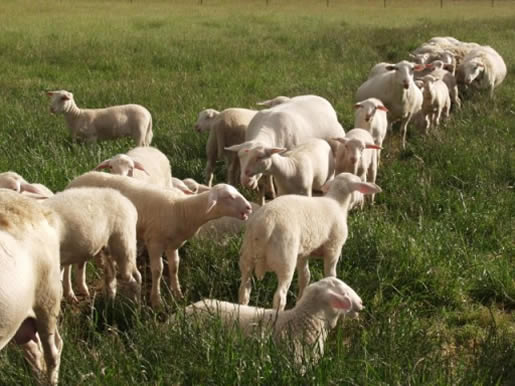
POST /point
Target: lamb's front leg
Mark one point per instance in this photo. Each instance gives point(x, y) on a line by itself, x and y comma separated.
point(155, 250)
point(172, 255)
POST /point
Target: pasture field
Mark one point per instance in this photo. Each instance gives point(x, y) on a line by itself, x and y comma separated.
point(433, 260)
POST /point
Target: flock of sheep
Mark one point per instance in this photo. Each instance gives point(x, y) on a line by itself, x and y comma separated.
point(295, 148)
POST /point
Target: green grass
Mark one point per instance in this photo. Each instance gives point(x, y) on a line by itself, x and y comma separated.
point(433, 260)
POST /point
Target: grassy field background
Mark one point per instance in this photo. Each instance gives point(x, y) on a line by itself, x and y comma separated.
point(433, 260)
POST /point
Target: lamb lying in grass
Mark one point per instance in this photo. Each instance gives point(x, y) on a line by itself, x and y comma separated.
point(305, 327)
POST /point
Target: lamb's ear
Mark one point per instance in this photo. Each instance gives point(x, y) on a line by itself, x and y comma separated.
point(138, 165)
point(273, 150)
point(357, 105)
point(50, 93)
point(211, 113)
point(66, 97)
point(325, 187)
point(236, 147)
point(366, 187)
point(32, 189)
point(372, 146)
point(339, 302)
point(390, 67)
point(419, 67)
point(382, 108)
point(104, 165)
point(212, 199)
point(340, 139)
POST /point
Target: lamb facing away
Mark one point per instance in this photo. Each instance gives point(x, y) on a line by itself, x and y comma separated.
point(30, 285)
point(436, 101)
point(93, 221)
point(439, 70)
point(286, 125)
point(13, 181)
point(306, 325)
point(283, 234)
point(226, 128)
point(301, 170)
point(483, 67)
point(371, 115)
point(147, 163)
point(397, 90)
point(167, 219)
point(113, 122)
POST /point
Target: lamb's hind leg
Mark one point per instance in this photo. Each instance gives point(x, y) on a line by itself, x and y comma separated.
point(303, 274)
point(172, 255)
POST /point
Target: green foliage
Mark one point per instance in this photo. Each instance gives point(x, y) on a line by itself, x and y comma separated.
point(433, 260)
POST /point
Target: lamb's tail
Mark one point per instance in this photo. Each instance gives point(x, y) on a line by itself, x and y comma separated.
point(253, 249)
point(150, 133)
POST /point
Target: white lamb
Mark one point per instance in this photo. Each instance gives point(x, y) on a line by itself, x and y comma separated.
point(274, 102)
point(483, 67)
point(371, 115)
point(194, 186)
point(13, 181)
point(303, 328)
point(439, 70)
point(301, 170)
point(147, 163)
point(167, 219)
point(436, 101)
point(286, 125)
point(357, 154)
point(113, 122)
point(282, 235)
point(397, 90)
point(30, 285)
point(95, 221)
point(226, 128)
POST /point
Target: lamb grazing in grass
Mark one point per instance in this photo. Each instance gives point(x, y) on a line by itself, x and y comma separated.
point(30, 285)
point(286, 125)
point(13, 181)
point(113, 122)
point(226, 128)
point(147, 163)
point(307, 325)
point(301, 170)
point(274, 102)
point(95, 221)
point(357, 154)
point(483, 67)
point(282, 235)
point(436, 101)
point(397, 90)
point(371, 115)
point(167, 219)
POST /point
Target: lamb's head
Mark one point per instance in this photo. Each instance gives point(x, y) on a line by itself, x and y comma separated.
point(247, 153)
point(472, 69)
point(13, 181)
point(261, 161)
point(335, 298)
point(344, 184)
point(205, 120)
point(404, 72)
point(429, 82)
point(366, 109)
point(121, 164)
point(227, 201)
point(61, 101)
point(349, 153)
